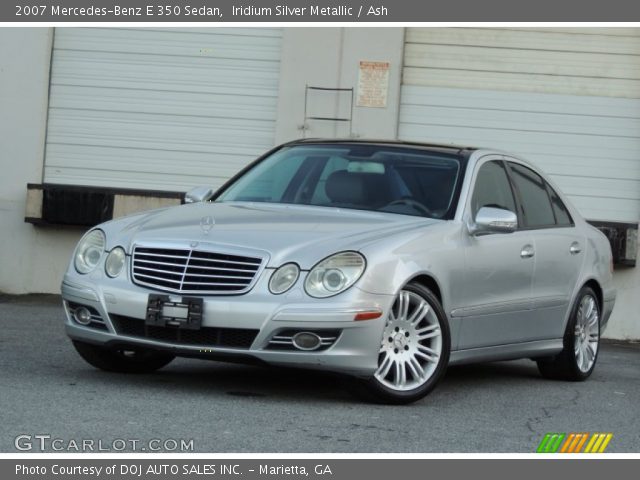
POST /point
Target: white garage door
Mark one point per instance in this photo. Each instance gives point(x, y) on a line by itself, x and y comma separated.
point(567, 99)
point(160, 109)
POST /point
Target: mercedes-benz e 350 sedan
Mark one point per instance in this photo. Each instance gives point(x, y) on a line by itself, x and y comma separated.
point(384, 261)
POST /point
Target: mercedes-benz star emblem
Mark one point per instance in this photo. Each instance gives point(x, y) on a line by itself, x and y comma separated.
point(207, 223)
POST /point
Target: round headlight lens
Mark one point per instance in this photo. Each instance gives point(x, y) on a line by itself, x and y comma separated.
point(284, 278)
point(334, 274)
point(115, 262)
point(89, 251)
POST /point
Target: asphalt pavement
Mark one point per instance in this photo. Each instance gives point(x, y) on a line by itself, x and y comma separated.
point(47, 389)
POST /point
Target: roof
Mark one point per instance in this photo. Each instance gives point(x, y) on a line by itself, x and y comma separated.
point(434, 146)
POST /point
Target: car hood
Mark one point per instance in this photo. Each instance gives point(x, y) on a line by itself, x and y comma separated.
point(285, 233)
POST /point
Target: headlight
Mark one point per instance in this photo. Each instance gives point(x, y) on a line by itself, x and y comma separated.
point(334, 274)
point(89, 251)
point(284, 278)
point(115, 262)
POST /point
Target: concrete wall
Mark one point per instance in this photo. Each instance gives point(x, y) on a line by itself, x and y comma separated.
point(625, 319)
point(329, 57)
point(33, 259)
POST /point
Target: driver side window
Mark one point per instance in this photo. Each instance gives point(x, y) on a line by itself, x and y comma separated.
point(492, 189)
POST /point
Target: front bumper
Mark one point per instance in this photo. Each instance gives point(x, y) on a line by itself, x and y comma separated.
point(354, 352)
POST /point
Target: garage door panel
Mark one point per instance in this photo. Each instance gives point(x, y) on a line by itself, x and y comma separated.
point(154, 74)
point(544, 142)
point(599, 187)
point(160, 108)
point(555, 123)
point(524, 82)
point(526, 102)
point(566, 98)
point(195, 168)
point(577, 40)
point(173, 103)
point(573, 156)
point(589, 167)
point(608, 209)
point(222, 43)
point(124, 130)
point(514, 60)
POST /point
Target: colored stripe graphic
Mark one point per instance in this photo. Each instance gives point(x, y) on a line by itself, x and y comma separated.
point(550, 443)
point(598, 443)
point(574, 442)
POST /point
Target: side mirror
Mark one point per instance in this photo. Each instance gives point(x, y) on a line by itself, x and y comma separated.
point(198, 194)
point(493, 220)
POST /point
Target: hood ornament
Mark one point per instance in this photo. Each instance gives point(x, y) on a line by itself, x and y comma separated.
point(207, 223)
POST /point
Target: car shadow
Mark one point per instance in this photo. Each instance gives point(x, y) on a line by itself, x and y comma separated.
point(285, 384)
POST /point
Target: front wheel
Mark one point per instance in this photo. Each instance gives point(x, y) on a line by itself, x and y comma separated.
point(122, 360)
point(581, 341)
point(414, 351)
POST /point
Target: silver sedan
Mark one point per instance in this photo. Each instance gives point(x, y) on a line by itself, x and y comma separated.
point(382, 261)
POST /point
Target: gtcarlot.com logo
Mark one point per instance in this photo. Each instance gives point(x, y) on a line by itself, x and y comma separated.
point(48, 443)
point(574, 443)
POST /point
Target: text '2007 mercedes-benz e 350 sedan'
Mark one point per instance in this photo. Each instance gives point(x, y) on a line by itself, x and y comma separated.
point(384, 261)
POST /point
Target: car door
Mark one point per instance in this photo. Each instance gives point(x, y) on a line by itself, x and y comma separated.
point(496, 290)
point(558, 250)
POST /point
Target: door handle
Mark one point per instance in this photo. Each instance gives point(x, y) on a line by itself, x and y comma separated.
point(527, 251)
point(575, 248)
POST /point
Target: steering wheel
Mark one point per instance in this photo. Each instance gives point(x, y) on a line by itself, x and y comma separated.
point(411, 202)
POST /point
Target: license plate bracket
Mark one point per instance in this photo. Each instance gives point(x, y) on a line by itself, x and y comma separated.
point(186, 313)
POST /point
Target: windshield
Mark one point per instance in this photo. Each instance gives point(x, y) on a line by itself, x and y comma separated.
point(384, 178)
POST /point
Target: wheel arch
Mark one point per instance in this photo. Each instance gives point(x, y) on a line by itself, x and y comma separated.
point(595, 286)
point(429, 281)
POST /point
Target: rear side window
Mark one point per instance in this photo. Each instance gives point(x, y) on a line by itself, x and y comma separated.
point(563, 218)
point(492, 189)
point(534, 198)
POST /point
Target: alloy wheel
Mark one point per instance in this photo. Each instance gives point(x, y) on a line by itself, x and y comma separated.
point(411, 345)
point(586, 334)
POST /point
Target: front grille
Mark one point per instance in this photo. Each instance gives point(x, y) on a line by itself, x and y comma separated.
point(193, 271)
point(206, 336)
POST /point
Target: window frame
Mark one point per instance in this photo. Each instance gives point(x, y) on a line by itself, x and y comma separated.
point(502, 163)
point(520, 205)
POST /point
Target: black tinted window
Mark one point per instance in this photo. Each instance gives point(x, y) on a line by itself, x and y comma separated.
point(536, 206)
point(492, 189)
point(563, 218)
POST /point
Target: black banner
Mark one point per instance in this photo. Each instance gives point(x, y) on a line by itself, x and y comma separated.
point(318, 469)
point(225, 11)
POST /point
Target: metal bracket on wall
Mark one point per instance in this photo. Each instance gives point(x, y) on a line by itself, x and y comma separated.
point(624, 240)
point(86, 206)
point(309, 91)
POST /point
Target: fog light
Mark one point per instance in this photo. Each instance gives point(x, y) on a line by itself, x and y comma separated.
point(306, 341)
point(82, 315)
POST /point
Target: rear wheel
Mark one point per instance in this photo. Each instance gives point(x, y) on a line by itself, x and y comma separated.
point(581, 341)
point(122, 360)
point(414, 351)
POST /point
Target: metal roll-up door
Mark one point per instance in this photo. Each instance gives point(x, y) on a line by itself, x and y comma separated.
point(160, 109)
point(568, 99)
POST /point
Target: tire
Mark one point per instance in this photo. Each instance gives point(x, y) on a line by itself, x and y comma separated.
point(414, 351)
point(122, 361)
point(581, 342)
